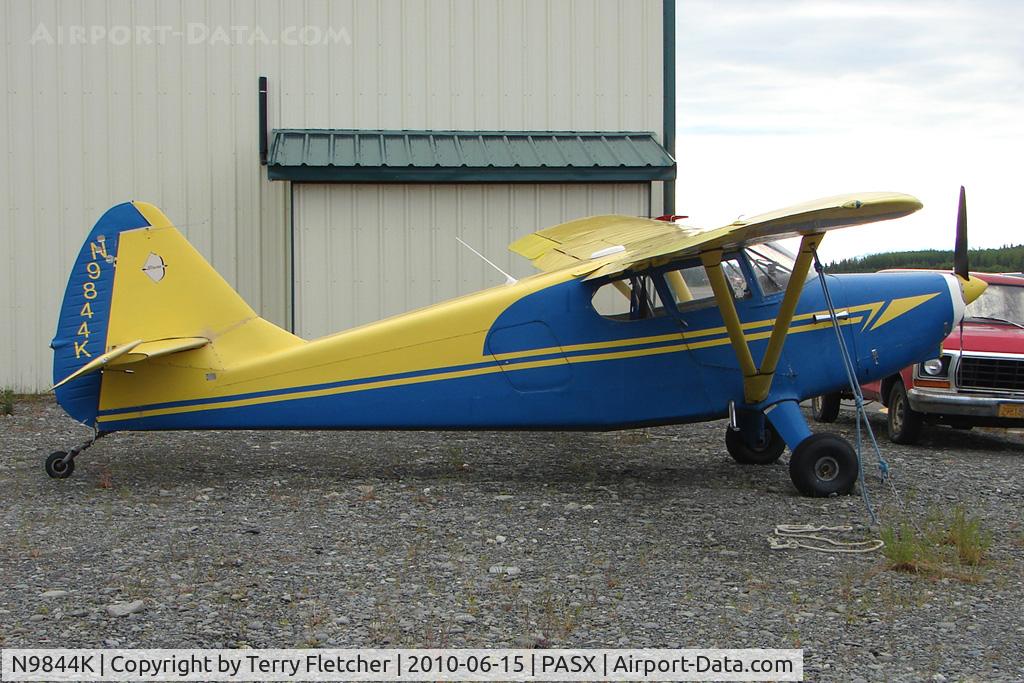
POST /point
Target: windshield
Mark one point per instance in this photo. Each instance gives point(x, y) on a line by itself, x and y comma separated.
point(772, 264)
point(1004, 302)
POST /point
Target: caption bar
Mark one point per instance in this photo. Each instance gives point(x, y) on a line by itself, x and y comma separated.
point(401, 665)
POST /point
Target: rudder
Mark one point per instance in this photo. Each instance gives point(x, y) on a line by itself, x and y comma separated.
point(85, 312)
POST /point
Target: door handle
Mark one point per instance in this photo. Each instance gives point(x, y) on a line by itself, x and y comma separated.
point(825, 317)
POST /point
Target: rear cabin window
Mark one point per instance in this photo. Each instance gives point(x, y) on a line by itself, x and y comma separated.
point(631, 298)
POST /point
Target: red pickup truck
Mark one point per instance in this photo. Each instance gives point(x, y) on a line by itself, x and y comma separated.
point(978, 380)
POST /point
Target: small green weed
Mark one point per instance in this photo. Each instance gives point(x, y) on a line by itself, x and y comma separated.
point(7, 402)
point(905, 549)
point(967, 536)
point(950, 546)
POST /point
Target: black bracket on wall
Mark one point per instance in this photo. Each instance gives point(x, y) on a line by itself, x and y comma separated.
point(264, 133)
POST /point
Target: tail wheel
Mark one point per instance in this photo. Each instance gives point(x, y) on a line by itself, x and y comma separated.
point(825, 408)
point(57, 467)
point(823, 465)
point(765, 452)
point(904, 422)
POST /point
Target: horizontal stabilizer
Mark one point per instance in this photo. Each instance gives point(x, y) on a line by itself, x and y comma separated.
point(160, 347)
point(98, 363)
point(136, 351)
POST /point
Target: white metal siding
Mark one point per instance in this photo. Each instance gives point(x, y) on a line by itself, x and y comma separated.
point(364, 252)
point(173, 120)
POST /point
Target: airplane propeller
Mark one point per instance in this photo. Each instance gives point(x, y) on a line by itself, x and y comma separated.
point(972, 287)
point(960, 265)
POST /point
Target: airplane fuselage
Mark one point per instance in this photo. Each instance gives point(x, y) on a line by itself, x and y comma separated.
point(537, 355)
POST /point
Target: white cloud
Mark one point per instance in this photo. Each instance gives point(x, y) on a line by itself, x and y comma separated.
point(783, 102)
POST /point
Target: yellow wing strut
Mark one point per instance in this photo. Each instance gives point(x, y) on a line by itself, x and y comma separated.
point(712, 261)
point(757, 381)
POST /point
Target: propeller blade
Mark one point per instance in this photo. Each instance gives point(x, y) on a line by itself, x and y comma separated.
point(960, 265)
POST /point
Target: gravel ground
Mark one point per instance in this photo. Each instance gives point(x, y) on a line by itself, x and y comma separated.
point(647, 538)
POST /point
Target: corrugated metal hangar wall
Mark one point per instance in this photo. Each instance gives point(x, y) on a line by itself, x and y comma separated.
point(365, 251)
point(114, 100)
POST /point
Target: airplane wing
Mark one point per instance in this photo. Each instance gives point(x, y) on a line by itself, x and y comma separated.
point(591, 238)
point(606, 246)
point(610, 245)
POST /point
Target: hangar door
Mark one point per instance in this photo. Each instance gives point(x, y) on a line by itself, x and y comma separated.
point(364, 251)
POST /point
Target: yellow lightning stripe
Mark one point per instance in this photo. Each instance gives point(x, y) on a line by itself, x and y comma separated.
point(304, 394)
point(873, 310)
point(590, 346)
point(898, 307)
point(441, 375)
point(696, 334)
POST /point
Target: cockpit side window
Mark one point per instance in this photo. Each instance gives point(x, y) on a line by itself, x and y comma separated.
point(637, 297)
point(772, 266)
point(630, 298)
point(691, 288)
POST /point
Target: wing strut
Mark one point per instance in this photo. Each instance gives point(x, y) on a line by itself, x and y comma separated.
point(712, 261)
point(757, 381)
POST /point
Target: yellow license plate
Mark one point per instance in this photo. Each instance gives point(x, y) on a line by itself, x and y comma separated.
point(1011, 410)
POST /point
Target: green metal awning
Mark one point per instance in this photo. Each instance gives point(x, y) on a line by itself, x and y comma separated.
point(447, 156)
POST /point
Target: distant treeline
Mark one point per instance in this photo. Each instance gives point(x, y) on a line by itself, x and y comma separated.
point(1008, 259)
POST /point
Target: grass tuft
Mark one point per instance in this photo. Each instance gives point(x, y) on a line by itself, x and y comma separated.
point(905, 549)
point(7, 402)
point(950, 546)
point(968, 537)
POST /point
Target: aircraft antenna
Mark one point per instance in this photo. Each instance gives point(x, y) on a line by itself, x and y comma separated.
point(509, 280)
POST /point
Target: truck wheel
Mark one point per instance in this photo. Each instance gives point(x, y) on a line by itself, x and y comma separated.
point(764, 453)
point(904, 422)
point(825, 408)
point(823, 465)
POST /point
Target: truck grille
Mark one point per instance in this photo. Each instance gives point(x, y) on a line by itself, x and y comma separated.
point(1004, 374)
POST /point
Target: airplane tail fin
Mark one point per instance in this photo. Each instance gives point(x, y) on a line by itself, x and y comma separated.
point(139, 291)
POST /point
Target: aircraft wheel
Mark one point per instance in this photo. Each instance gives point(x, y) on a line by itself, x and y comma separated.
point(904, 422)
point(765, 453)
point(57, 468)
point(823, 465)
point(825, 408)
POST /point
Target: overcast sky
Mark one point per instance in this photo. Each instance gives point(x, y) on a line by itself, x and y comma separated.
point(788, 100)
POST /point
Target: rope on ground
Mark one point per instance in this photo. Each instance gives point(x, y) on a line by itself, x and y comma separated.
point(787, 536)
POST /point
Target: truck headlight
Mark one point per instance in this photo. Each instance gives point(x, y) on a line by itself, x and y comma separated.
point(936, 367)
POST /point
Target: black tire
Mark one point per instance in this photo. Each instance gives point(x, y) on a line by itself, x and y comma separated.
point(823, 465)
point(57, 468)
point(764, 453)
point(904, 423)
point(825, 408)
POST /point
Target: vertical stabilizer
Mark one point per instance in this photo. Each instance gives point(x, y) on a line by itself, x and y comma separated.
point(85, 312)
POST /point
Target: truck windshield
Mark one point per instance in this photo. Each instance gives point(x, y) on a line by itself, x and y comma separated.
point(999, 303)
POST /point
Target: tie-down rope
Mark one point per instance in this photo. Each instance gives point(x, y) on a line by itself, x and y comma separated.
point(788, 536)
point(858, 397)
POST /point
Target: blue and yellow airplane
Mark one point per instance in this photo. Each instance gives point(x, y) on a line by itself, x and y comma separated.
point(630, 322)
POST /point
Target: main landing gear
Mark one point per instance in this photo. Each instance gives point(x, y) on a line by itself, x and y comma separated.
point(755, 444)
point(61, 464)
point(821, 465)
